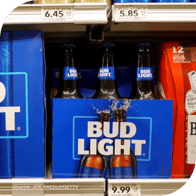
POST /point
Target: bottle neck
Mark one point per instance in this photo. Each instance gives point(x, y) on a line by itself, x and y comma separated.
point(144, 57)
point(119, 116)
point(68, 60)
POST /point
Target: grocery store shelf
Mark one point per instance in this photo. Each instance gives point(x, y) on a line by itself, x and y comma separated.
point(90, 13)
point(22, 187)
point(150, 187)
point(90, 187)
point(77, 13)
point(154, 12)
point(154, 17)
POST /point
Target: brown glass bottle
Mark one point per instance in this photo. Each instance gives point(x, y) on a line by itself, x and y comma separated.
point(94, 166)
point(107, 86)
point(144, 88)
point(68, 75)
point(122, 166)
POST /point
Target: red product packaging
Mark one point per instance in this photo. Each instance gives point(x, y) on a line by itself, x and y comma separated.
point(177, 81)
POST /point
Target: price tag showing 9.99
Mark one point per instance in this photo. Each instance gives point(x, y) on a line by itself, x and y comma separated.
point(124, 190)
point(131, 13)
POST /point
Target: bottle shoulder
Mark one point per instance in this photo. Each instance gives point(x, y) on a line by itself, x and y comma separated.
point(122, 160)
point(145, 96)
point(94, 161)
point(106, 96)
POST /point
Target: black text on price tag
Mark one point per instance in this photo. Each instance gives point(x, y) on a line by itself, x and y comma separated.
point(121, 189)
point(125, 190)
point(54, 13)
point(129, 13)
point(125, 13)
point(57, 15)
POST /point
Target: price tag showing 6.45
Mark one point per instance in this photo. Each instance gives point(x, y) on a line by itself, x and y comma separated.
point(57, 15)
point(125, 13)
point(124, 190)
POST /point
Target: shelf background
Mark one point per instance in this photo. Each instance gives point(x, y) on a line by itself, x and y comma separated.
point(162, 28)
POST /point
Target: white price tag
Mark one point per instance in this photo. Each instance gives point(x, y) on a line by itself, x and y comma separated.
point(124, 190)
point(57, 15)
point(191, 143)
point(192, 79)
point(129, 13)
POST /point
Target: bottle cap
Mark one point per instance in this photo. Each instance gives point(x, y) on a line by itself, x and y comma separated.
point(143, 45)
point(68, 45)
point(108, 45)
point(104, 116)
point(120, 114)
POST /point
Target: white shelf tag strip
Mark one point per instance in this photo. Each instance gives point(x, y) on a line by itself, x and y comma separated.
point(130, 13)
point(124, 190)
point(57, 188)
point(27, 189)
point(57, 14)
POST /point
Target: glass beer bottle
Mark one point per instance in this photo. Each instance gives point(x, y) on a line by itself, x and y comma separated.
point(122, 166)
point(144, 75)
point(68, 87)
point(94, 166)
point(106, 76)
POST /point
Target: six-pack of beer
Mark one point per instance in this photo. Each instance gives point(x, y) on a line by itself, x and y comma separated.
point(108, 122)
point(98, 134)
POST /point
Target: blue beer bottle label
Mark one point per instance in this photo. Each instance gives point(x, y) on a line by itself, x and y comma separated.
point(144, 74)
point(106, 73)
point(162, 1)
point(88, 172)
point(122, 172)
point(70, 73)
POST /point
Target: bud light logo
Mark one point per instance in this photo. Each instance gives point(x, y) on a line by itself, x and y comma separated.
point(89, 138)
point(70, 73)
point(106, 73)
point(144, 74)
point(13, 105)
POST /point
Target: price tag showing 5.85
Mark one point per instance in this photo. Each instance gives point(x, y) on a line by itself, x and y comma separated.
point(57, 15)
point(125, 13)
point(124, 190)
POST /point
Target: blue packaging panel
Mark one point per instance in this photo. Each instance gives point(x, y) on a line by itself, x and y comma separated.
point(132, 1)
point(90, 172)
point(6, 145)
point(161, 1)
point(180, 1)
point(28, 58)
point(15, 114)
point(171, 1)
point(123, 172)
point(150, 140)
point(22, 115)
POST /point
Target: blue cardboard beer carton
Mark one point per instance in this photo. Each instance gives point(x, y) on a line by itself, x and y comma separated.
point(95, 138)
point(22, 101)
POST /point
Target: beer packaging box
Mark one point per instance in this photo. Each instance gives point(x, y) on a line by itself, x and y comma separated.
point(139, 146)
point(176, 81)
point(22, 104)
